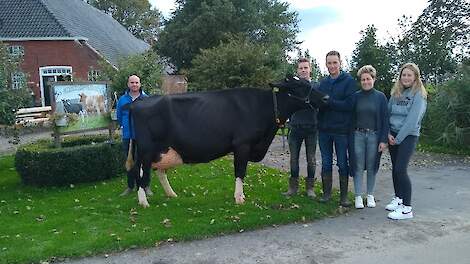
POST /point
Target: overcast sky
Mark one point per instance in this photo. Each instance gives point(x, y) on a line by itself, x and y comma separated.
point(335, 24)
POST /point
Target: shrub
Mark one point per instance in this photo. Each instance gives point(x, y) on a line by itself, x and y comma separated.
point(83, 159)
point(10, 101)
point(447, 120)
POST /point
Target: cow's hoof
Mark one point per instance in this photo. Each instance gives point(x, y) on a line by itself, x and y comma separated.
point(172, 195)
point(142, 198)
point(240, 199)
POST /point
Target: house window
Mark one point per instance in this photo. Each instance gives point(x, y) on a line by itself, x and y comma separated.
point(18, 80)
point(93, 75)
point(16, 51)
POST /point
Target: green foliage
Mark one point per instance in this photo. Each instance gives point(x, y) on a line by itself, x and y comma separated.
point(83, 159)
point(369, 52)
point(438, 40)
point(90, 219)
point(199, 25)
point(148, 66)
point(135, 15)
point(10, 101)
point(447, 120)
point(237, 63)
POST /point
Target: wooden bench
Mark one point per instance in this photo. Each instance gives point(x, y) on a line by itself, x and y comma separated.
point(34, 116)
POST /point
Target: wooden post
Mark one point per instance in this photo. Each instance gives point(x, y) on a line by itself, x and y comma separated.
point(56, 136)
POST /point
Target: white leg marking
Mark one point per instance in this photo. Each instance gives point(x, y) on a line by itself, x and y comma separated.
point(165, 184)
point(239, 195)
point(142, 198)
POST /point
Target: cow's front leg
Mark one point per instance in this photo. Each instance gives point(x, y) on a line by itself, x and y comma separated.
point(241, 155)
point(144, 173)
point(165, 184)
point(239, 195)
point(142, 197)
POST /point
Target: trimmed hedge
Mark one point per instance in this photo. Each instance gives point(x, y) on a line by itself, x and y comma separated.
point(80, 159)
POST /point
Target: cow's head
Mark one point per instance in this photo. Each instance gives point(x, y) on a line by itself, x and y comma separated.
point(300, 91)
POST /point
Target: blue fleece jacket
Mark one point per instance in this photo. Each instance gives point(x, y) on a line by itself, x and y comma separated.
point(123, 115)
point(336, 116)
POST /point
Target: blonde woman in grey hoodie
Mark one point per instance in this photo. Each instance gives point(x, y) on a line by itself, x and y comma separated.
point(406, 106)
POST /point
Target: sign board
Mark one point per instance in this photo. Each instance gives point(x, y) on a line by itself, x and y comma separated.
point(80, 106)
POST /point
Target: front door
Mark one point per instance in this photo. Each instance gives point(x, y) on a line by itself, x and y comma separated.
point(50, 74)
point(47, 83)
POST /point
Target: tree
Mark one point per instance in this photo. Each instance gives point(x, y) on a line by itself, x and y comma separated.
point(369, 51)
point(135, 15)
point(239, 62)
point(197, 25)
point(10, 100)
point(438, 40)
point(147, 66)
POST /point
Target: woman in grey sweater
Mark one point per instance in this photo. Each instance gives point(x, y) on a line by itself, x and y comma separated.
point(406, 106)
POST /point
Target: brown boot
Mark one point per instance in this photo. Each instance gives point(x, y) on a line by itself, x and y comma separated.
point(309, 183)
point(326, 182)
point(343, 191)
point(293, 187)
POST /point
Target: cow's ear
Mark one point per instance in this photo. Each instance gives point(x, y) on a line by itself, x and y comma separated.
point(289, 76)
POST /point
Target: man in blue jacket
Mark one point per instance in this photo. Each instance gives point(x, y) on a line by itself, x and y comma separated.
point(133, 92)
point(334, 125)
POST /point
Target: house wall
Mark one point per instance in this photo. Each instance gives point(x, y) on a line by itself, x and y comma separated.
point(55, 53)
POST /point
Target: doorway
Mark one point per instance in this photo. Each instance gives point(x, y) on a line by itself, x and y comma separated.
point(49, 75)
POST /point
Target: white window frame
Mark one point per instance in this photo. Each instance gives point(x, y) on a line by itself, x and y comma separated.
point(93, 75)
point(18, 80)
point(16, 50)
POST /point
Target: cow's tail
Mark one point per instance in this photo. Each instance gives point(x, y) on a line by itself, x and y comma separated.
point(130, 158)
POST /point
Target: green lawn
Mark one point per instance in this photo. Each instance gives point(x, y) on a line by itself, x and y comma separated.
point(89, 219)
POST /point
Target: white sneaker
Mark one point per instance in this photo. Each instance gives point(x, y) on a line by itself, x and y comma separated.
point(370, 201)
point(402, 212)
point(393, 205)
point(358, 203)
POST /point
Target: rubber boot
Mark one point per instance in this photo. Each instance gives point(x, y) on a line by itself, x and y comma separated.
point(326, 181)
point(309, 183)
point(343, 191)
point(293, 187)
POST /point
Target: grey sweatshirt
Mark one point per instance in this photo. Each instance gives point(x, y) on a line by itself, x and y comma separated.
point(406, 113)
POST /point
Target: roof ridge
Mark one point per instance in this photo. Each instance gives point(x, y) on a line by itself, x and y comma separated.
point(46, 7)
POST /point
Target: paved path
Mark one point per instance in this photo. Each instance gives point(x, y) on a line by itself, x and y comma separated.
point(439, 233)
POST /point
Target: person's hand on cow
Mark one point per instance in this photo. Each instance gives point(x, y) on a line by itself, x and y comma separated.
point(391, 140)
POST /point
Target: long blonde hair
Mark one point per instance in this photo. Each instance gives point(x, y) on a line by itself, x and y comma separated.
point(418, 86)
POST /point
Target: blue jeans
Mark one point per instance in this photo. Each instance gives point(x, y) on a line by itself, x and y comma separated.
point(297, 135)
point(340, 142)
point(366, 147)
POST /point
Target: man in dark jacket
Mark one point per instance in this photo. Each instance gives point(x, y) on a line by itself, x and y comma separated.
point(132, 93)
point(334, 126)
point(303, 127)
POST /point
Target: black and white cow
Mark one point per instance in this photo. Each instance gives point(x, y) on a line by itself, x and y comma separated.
point(200, 127)
point(71, 107)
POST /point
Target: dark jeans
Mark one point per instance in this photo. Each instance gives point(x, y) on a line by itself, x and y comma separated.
point(340, 142)
point(297, 135)
point(401, 155)
point(133, 176)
